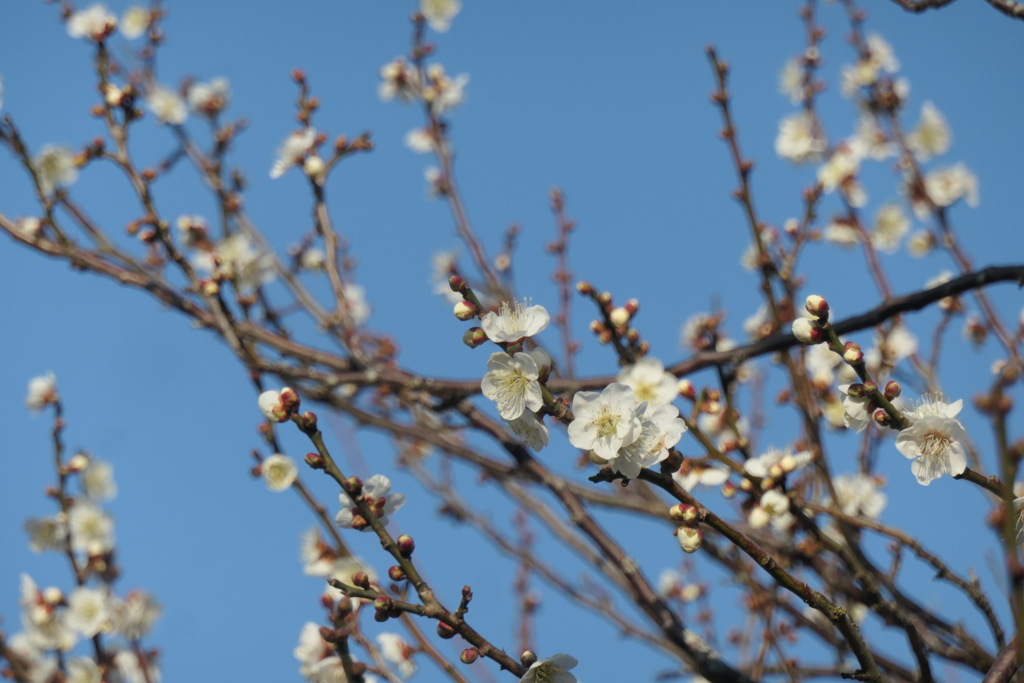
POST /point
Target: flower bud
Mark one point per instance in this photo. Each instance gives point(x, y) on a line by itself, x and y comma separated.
point(807, 331)
point(605, 337)
point(344, 606)
point(469, 655)
point(406, 545)
point(728, 489)
point(359, 522)
point(328, 634)
point(597, 327)
point(315, 461)
point(314, 167)
point(361, 580)
point(604, 298)
point(856, 391)
point(686, 389)
point(466, 310)
point(632, 306)
point(817, 306)
point(633, 335)
point(528, 658)
point(353, 486)
point(746, 484)
point(619, 316)
point(673, 462)
point(474, 337)
point(642, 348)
point(775, 472)
point(690, 538)
point(380, 616)
point(307, 422)
point(787, 463)
point(882, 417)
point(457, 284)
point(382, 603)
point(852, 353)
point(683, 513)
point(290, 400)
point(892, 389)
point(78, 462)
point(584, 288)
point(53, 595)
point(445, 631)
point(358, 668)
point(396, 573)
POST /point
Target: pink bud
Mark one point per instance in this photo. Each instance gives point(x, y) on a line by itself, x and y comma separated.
point(457, 284)
point(686, 389)
point(882, 417)
point(469, 655)
point(445, 631)
point(584, 288)
point(474, 337)
point(817, 306)
point(852, 353)
point(528, 658)
point(604, 298)
point(632, 306)
point(361, 580)
point(396, 573)
point(466, 310)
point(315, 461)
point(892, 389)
point(382, 603)
point(353, 486)
point(406, 545)
point(690, 538)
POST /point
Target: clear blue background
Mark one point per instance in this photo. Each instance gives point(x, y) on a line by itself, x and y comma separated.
point(608, 101)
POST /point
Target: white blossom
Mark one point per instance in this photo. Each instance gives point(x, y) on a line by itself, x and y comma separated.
point(239, 259)
point(529, 430)
point(355, 303)
point(209, 98)
point(934, 441)
point(858, 495)
point(313, 258)
point(920, 243)
point(134, 616)
point(947, 185)
point(42, 391)
point(606, 421)
point(649, 382)
point(821, 361)
point(343, 570)
point(551, 670)
point(442, 266)
point(292, 150)
point(93, 22)
point(439, 13)
point(130, 666)
point(442, 91)
point(46, 627)
point(870, 141)
point(279, 472)
point(54, 167)
point(398, 652)
point(843, 164)
point(271, 406)
point(660, 430)
point(400, 80)
point(791, 80)
point(92, 530)
point(774, 462)
point(931, 137)
point(29, 227)
point(691, 474)
point(514, 322)
point(772, 505)
point(98, 481)
point(858, 409)
point(800, 138)
point(46, 533)
point(87, 611)
point(420, 140)
point(717, 427)
point(882, 53)
point(891, 224)
point(511, 382)
point(841, 232)
point(134, 22)
point(167, 105)
point(83, 670)
point(317, 556)
point(377, 494)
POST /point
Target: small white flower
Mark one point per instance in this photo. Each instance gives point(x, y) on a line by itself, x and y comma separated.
point(843, 164)
point(606, 421)
point(931, 137)
point(934, 440)
point(691, 474)
point(841, 233)
point(858, 409)
point(514, 322)
point(279, 472)
point(649, 382)
point(87, 611)
point(882, 53)
point(858, 495)
point(870, 141)
point(46, 533)
point(134, 616)
point(442, 91)
point(83, 670)
point(93, 22)
point(209, 98)
point(920, 243)
point(551, 670)
point(398, 652)
point(669, 582)
point(891, 224)
point(800, 138)
point(270, 404)
point(376, 493)
point(947, 185)
point(239, 259)
point(529, 430)
point(92, 530)
point(55, 167)
point(399, 79)
point(134, 22)
point(791, 80)
point(355, 303)
point(660, 430)
point(439, 13)
point(313, 258)
point(717, 426)
point(30, 227)
point(774, 461)
point(98, 481)
point(167, 105)
point(292, 150)
point(420, 140)
point(898, 344)
point(443, 265)
point(758, 325)
point(773, 505)
point(317, 557)
point(42, 391)
point(130, 667)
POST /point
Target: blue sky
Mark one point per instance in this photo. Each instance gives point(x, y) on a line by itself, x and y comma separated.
point(608, 102)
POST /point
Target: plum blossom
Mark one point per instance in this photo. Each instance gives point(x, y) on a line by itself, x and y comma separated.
point(400, 80)
point(343, 570)
point(772, 507)
point(439, 13)
point(355, 303)
point(551, 670)
point(891, 224)
point(134, 22)
point(377, 494)
point(649, 382)
point(83, 670)
point(93, 22)
point(134, 616)
point(775, 462)
point(87, 611)
point(292, 150)
point(791, 80)
point(443, 92)
point(98, 481)
point(46, 533)
point(239, 259)
point(529, 430)
point(130, 666)
point(843, 164)
point(858, 495)
point(514, 322)
point(279, 472)
point(934, 440)
point(606, 421)
point(42, 391)
point(821, 362)
point(397, 651)
point(870, 141)
point(691, 474)
point(421, 140)
point(209, 98)
point(659, 431)
point(54, 167)
point(511, 382)
point(272, 407)
point(717, 426)
point(167, 105)
point(841, 232)
point(800, 138)
point(947, 185)
point(931, 137)
point(92, 530)
point(857, 406)
point(317, 556)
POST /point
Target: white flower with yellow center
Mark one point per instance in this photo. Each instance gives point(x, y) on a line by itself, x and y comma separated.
point(882, 54)
point(439, 13)
point(775, 462)
point(514, 322)
point(870, 141)
point(92, 530)
point(529, 430)
point(98, 481)
point(551, 670)
point(292, 150)
point(279, 472)
point(511, 382)
point(649, 382)
point(891, 224)
point(83, 670)
point(773, 505)
point(46, 533)
point(134, 22)
point(931, 137)
point(55, 167)
point(606, 421)
point(791, 80)
point(934, 441)
point(947, 185)
point(660, 430)
point(87, 611)
point(134, 616)
point(42, 391)
point(857, 408)
point(800, 138)
point(167, 105)
point(858, 495)
point(93, 22)
point(843, 164)
point(209, 98)
point(399, 79)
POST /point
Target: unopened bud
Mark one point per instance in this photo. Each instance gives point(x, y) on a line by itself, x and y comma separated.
point(643, 348)
point(584, 287)
point(53, 596)
point(632, 335)
point(746, 484)
point(289, 400)
point(788, 463)
point(469, 655)
point(855, 391)
point(817, 306)
point(605, 337)
point(314, 167)
point(882, 417)
point(78, 462)
point(729, 489)
point(406, 545)
point(359, 522)
point(328, 634)
point(445, 631)
point(690, 538)
point(852, 353)
point(382, 603)
point(892, 389)
point(380, 616)
point(807, 331)
point(619, 316)
point(327, 601)
point(457, 284)
point(396, 573)
point(673, 462)
point(474, 337)
point(307, 421)
point(683, 513)
point(466, 310)
point(528, 658)
point(344, 606)
point(632, 306)
point(315, 461)
point(604, 298)
point(361, 580)
point(353, 486)
point(686, 389)
point(775, 472)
